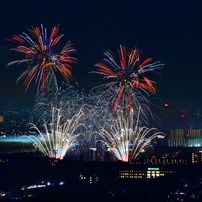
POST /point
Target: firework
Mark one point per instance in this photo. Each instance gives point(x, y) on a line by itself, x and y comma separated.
point(66, 98)
point(41, 58)
point(69, 100)
point(126, 80)
point(125, 138)
point(118, 131)
point(58, 136)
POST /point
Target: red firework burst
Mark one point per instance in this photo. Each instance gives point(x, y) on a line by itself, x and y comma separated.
point(127, 76)
point(41, 59)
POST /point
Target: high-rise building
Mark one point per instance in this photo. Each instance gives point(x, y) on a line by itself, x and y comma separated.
point(185, 137)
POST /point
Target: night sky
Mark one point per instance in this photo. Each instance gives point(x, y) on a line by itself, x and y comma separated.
point(168, 31)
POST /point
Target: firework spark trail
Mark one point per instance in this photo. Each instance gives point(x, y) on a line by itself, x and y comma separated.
point(69, 99)
point(126, 138)
point(120, 131)
point(41, 57)
point(59, 137)
point(66, 98)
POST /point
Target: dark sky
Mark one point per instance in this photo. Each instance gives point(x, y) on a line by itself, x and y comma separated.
point(166, 30)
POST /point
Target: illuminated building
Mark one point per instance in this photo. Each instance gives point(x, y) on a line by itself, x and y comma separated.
point(89, 179)
point(185, 137)
point(150, 172)
point(196, 157)
point(162, 161)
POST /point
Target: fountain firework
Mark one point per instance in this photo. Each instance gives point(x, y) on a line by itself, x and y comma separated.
point(125, 138)
point(69, 100)
point(59, 136)
point(120, 131)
